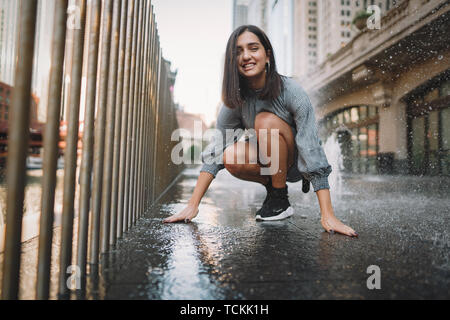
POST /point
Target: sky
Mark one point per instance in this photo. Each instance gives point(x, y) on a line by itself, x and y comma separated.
point(193, 36)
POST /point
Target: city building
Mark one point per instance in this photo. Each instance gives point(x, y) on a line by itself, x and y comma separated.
point(305, 36)
point(258, 13)
point(192, 129)
point(36, 127)
point(240, 13)
point(276, 18)
point(385, 95)
point(9, 13)
point(322, 27)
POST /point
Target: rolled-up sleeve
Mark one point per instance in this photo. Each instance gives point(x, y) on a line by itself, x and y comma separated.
point(312, 161)
point(212, 156)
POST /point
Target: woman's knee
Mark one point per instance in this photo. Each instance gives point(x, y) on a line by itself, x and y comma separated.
point(237, 156)
point(229, 159)
point(268, 121)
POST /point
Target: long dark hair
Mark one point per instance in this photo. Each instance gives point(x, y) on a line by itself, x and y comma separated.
point(234, 86)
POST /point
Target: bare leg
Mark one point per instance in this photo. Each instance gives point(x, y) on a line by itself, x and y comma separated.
point(249, 171)
point(285, 156)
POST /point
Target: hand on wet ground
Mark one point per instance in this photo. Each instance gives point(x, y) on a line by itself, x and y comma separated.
point(185, 215)
point(332, 224)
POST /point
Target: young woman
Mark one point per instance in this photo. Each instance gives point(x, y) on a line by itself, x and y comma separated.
point(256, 97)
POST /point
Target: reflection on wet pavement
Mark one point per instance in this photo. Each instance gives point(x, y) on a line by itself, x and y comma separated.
point(403, 223)
point(224, 253)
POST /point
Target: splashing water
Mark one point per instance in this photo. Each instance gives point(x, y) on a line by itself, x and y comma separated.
point(335, 159)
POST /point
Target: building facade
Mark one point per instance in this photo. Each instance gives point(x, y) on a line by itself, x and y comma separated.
point(322, 27)
point(276, 18)
point(305, 36)
point(385, 95)
point(9, 14)
point(9, 11)
point(240, 13)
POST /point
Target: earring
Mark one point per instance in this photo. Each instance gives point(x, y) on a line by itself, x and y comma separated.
point(268, 66)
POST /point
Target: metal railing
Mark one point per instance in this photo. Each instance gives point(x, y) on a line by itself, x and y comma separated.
point(128, 120)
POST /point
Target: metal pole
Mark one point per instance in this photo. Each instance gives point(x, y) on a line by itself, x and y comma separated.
point(130, 120)
point(70, 156)
point(88, 138)
point(109, 133)
point(153, 113)
point(146, 125)
point(118, 124)
point(140, 127)
point(17, 149)
point(51, 151)
point(132, 204)
point(125, 111)
point(100, 130)
point(158, 107)
point(149, 124)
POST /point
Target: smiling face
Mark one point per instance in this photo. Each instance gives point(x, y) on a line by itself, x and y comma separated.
point(252, 59)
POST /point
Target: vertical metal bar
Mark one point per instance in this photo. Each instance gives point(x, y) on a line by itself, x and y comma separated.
point(118, 124)
point(140, 127)
point(146, 124)
point(158, 107)
point(100, 131)
point(17, 149)
point(132, 202)
point(153, 115)
point(70, 156)
point(151, 124)
point(109, 133)
point(125, 111)
point(51, 139)
point(88, 138)
point(130, 118)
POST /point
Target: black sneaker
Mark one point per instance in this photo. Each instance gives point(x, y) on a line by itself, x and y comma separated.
point(277, 206)
point(269, 189)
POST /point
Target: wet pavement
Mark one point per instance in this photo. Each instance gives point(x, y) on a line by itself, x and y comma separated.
point(403, 223)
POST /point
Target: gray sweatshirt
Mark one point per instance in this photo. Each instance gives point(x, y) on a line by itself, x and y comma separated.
point(294, 107)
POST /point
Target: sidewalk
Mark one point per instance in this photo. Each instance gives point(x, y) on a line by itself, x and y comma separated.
point(403, 223)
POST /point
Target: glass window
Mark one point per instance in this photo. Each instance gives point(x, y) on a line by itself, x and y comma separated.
point(372, 140)
point(340, 118)
point(418, 143)
point(363, 149)
point(372, 149)
point(363, 141)
point(445, 131)
point(347, 116)
point(445, 89)
point(355, 116)
point(433, 132)
point(355, 151)
point(362, 112)
point(372, 111)
point(433, 138)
